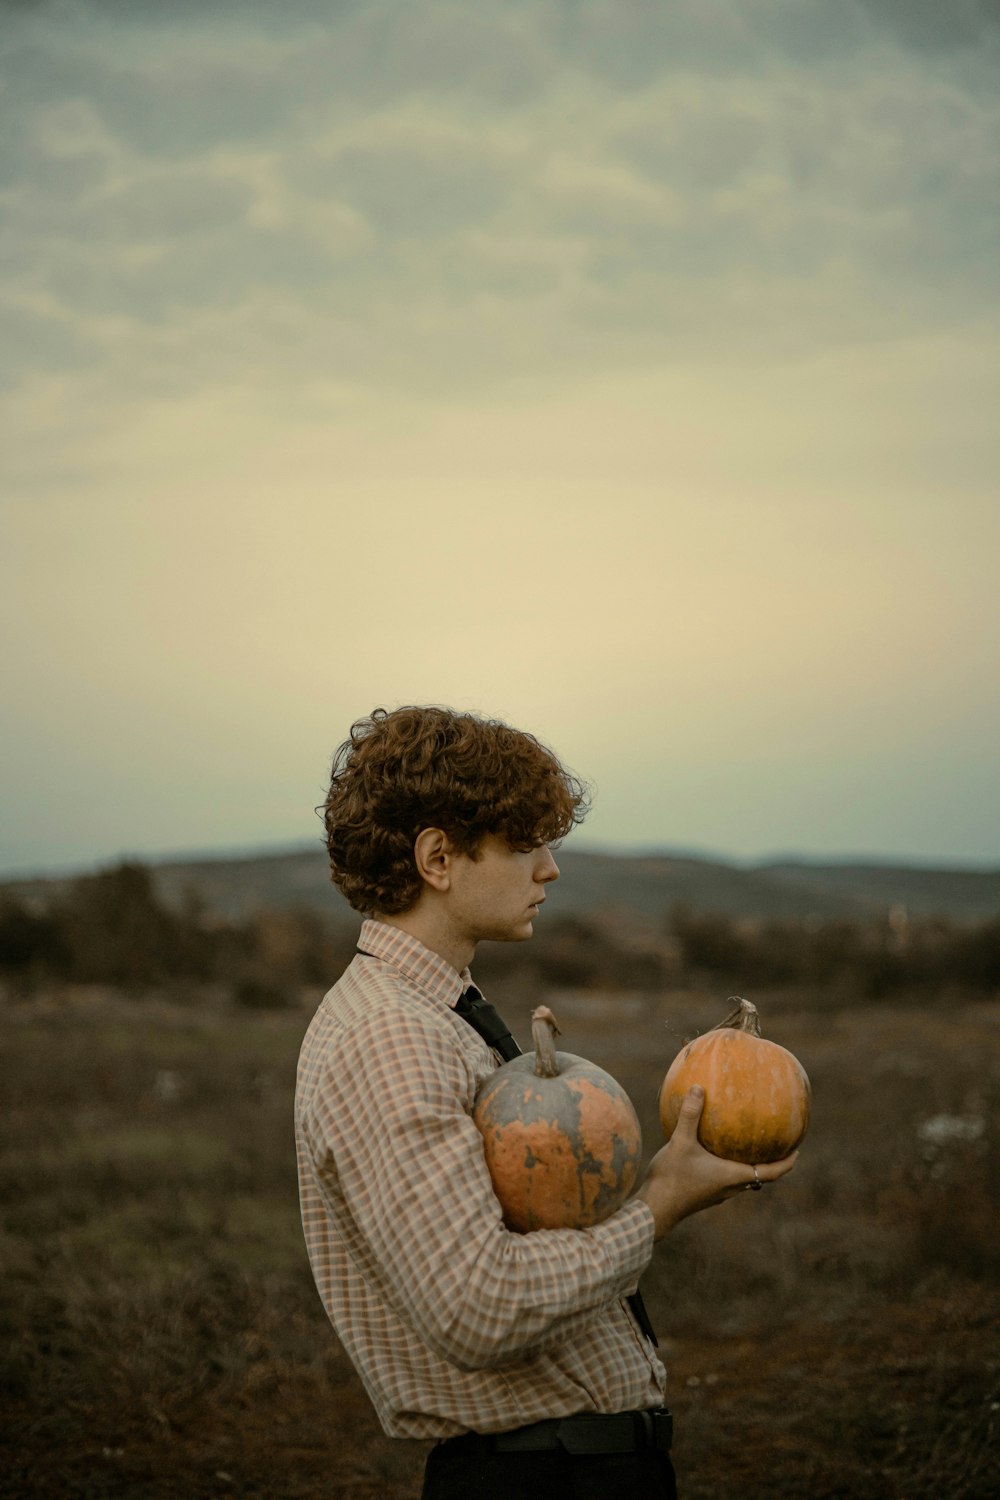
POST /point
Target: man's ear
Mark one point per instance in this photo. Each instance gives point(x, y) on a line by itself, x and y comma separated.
point(432, 854)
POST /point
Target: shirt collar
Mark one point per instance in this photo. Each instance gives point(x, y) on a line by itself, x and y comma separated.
point(424, 968)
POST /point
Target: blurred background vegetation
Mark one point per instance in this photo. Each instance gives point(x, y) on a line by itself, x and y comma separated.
point(161, 1333)
point(115, 927)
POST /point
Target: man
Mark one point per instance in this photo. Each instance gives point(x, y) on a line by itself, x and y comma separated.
point(519, 1353)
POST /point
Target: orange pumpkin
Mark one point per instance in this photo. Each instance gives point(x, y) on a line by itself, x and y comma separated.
point(757, 1095)
point(561, 1138)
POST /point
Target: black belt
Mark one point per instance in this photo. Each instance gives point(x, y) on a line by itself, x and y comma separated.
point(586, 1432)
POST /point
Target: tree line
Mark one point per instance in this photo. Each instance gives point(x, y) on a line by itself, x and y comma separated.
point(113, 928)
point(866, 957)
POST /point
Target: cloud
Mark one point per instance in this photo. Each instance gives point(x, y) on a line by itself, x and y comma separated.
point(468, 196)
point(33, 342)
point(930, 27)
point(409, 192)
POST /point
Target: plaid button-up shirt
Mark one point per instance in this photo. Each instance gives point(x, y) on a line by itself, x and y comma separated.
point(452, 1321)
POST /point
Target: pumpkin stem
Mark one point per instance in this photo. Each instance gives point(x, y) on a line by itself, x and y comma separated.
point(544, 1031)
point(743, 1018)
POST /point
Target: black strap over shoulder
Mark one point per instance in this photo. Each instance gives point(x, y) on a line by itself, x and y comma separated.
point(486, 1019)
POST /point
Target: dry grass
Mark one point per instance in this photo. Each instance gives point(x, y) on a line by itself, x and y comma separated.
point(162, 1337)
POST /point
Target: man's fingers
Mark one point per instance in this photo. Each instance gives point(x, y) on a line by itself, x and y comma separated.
point(772, 1170)
point(769, 1172)
point(688, 1120)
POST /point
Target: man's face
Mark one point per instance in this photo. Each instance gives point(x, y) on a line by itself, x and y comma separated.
point(497, 896)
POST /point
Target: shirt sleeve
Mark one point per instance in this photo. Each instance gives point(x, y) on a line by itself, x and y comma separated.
point(400, 1164)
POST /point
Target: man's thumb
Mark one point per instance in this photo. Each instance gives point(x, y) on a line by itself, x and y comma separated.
point(692, 1104)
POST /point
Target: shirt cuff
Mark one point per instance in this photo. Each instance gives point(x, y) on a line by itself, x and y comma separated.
point(628, 1236)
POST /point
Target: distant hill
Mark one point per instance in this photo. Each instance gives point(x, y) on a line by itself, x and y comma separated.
point(787, 888)
point(592, 881)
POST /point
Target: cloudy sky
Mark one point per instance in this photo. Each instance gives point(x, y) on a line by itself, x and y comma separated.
point(627, 369)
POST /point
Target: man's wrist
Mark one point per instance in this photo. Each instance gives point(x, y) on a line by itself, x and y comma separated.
point(662, 1208)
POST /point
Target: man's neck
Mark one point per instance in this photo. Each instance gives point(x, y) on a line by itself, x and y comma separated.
point(454, 948)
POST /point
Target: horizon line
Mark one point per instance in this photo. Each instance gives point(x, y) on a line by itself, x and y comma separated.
point(224, 854)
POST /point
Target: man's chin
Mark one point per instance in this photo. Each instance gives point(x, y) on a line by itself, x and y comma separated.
point(519, 934)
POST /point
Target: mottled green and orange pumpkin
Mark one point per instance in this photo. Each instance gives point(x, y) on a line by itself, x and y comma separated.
point(757, 1095)
point(562, 1140)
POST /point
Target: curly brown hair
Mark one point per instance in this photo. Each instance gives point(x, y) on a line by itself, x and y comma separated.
point(415, 768)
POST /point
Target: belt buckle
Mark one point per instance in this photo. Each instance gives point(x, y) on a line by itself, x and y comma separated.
point(661, 1422)
point(645, 1431)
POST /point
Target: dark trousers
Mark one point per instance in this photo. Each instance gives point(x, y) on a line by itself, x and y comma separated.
point(465, 1472)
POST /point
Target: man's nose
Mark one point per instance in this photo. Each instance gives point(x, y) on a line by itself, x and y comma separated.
point(547, 869)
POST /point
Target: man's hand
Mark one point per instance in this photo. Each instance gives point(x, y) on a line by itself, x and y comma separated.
point(684, 1178)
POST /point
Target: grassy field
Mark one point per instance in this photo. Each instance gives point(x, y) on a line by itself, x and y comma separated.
point(835, 1337)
